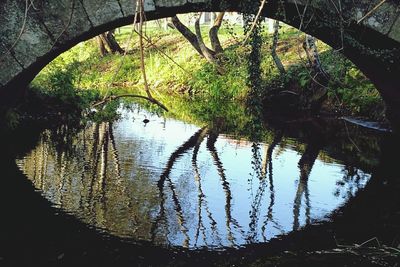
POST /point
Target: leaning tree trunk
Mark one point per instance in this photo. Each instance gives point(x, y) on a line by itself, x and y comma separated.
point(274, 55)
point(107, 43)
point(207, 53)
point(196, 39)
point(189, 35)
point(114, 46)
point(215, 43)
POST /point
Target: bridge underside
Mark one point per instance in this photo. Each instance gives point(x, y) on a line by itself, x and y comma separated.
point(32, 36)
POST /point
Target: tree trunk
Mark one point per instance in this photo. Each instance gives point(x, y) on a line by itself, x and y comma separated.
point(275, 56)
point(204, 50)
point(207, 53)
point(318, 91)
point(187, 33)
point(196, 39)
point(108, 41)
point(215, 43)
point(114, 46)
point(313, 58)
point(102, 48)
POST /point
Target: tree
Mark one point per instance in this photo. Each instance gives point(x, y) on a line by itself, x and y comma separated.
point(108, 44)
point(314, 61)
point(274, 55)
point(320, 78)
point(196, 39)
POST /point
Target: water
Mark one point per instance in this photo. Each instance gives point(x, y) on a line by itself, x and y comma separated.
point(174, 183)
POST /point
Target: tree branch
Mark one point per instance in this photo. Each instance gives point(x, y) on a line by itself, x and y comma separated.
point(215, 43)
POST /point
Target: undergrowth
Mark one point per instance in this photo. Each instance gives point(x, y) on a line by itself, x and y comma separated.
point(80, 75)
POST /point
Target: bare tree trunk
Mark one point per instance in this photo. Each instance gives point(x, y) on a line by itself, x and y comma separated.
point(165, 24)
point(102, 48)
point(320, 77)
point(187, 33)
point(313, 57)
point(108, 41)
point(204, 50)
point(106, 44)
point(215, 43)
point(114, 46)
point(274, 55)
point(196, 39)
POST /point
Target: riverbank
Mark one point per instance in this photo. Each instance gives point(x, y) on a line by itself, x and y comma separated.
point(188, 78)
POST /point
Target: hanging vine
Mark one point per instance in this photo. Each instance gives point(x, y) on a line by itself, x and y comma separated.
point(252, 29)
point(252, 26)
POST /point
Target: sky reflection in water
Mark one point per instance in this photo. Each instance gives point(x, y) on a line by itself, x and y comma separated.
point(173, 183)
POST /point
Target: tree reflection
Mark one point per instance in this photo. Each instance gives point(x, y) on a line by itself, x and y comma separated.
point(212, 138)
point(108, 184)
point(202, 201)
point(86, 177)
point(268, 159)
point(190, 143)
point(306, 162)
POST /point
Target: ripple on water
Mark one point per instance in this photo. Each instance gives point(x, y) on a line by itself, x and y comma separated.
point(170, 182)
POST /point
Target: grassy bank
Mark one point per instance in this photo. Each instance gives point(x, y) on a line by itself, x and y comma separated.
point(190, 86)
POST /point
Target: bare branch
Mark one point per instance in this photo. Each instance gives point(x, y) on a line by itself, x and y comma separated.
point(255, 21)
point(371, 11)
point(114, 97)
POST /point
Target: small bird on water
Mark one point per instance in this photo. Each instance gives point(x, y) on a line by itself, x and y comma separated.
point(145, 120)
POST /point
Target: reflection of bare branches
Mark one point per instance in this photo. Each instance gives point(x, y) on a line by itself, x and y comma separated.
point(85, 167)
point(179, 213)
point(114, 152)
point(191, 142)
point(99, 145)
point(100, 138)
point(44, 158)
point(161, 215)
point(305, 164)
point(201, 200)
point(103, 159)
point(212, 138)
point(268, 158)
point(200, 225)
point(93, 158)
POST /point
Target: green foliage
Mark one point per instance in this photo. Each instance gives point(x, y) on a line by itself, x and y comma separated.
point(349, 89)
point(254, 58)
point(250, 72)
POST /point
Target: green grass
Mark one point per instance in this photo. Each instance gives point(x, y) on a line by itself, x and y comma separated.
point(190, 75)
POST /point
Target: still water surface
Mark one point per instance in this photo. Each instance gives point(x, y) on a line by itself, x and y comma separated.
point(174, 183)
